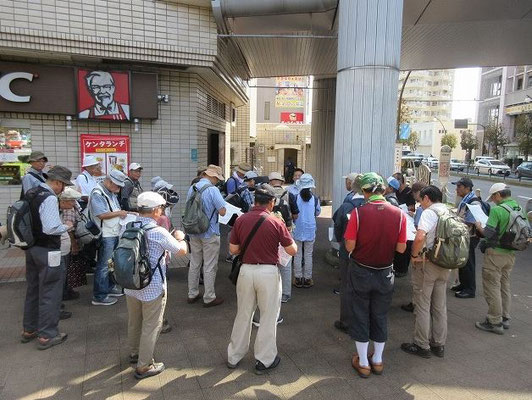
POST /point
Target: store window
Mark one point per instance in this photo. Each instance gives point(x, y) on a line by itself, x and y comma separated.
point(495, 87)
point(529, 80)
point(15, 148)
point(519, 84)
point(266, 110)
point(493, 115)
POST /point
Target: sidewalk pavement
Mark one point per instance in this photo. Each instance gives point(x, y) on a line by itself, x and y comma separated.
point(93, 364)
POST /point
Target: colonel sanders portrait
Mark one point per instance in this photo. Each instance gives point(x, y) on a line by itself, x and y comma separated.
point(101, 87)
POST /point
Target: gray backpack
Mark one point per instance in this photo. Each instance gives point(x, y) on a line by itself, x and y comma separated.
point(518, 231)
point(130, 266)
point(195, 220)
point(451, 244)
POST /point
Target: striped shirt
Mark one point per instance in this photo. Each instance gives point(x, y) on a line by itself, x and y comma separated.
point(159, 242)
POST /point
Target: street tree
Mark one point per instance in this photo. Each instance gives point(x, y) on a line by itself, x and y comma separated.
point(412, 141)
point(468, 142)
point(523, 129)
point(495, 137)
point(450, 140)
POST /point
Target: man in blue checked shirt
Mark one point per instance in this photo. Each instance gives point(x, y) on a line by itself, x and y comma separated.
point(206, 246)
point(45, 274)
point(467, 287)
point(245, 189)
point(146, 306)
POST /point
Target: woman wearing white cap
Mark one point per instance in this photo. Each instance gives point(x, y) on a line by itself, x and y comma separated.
point(305, 231)
point(146, 306)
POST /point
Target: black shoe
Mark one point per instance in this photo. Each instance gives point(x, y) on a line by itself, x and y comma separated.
point(166, 327)
point(340, 326)
point(308, 283)
point(65, 315)
point(464, 295)
point(506, 323)
point(260, 368)
point(70, 295)
point(408, 307)
point(336, 291)
point(412, 348)
point(438, 351)
point(400, 274)
point(456, 288)
point(489, 327)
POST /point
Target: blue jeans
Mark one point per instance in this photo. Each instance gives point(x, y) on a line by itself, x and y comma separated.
point(102, 282)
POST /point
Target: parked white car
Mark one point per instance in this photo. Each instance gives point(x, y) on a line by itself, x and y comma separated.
point(494, 167)
point(433, 162)
point(456, 165)
point(477, 158)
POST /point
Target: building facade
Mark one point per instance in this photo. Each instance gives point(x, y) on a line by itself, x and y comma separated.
point(76, 75)
point(428, 94)
point(505, 93)
point(430, 135)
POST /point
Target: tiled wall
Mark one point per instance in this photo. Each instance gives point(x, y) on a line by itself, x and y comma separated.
point(162, 146)
point(147, 30)
point(240, 139)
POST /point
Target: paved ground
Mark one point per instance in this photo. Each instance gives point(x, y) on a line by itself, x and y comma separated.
point(315, 364)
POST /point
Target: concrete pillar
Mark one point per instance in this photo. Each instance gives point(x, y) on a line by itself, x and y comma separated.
point(369, 46)
point(322, 135)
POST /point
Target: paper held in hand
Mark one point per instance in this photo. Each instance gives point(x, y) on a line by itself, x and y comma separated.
point(478, 213)
point(230, 210)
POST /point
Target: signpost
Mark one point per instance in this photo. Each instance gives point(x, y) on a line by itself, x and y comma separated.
point(444, 170)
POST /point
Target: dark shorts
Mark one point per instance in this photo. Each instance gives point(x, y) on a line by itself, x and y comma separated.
point(369, 294)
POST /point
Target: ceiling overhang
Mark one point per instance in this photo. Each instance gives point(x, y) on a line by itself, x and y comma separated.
point(274, 39)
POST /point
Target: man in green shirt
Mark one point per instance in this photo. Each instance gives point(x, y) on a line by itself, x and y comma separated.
point(498, 261)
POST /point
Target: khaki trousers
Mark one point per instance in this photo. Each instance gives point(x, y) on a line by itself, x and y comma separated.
point(496, 284)
point(417, 281)
point(430, 300)
point(257, 285)
point(144, 325)
point(206, 251)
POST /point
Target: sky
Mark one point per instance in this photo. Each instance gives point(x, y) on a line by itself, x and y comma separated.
point(466, 81)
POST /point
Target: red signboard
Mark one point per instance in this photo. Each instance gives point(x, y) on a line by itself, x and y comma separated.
point(292, 118)
point(103, 95)
point(110, 150)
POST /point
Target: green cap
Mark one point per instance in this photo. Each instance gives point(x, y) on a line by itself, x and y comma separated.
point(369, 181)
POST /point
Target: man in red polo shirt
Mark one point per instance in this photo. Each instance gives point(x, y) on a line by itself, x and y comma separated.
point(259, 281)
point(374, 233)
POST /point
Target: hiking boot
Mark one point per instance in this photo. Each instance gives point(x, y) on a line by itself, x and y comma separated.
point(412, 348)
point(362, 371)
point(298, 282)
point(155, 369)
point(260, 368)
point(408, 307)
point(216, 302)
point(438, 351)
point(340, 326)
point(456, 288)
point(489, 327)
point(47, 343)
point(506, 323)
point(107, 301)
point(280, 320)
point(285, 298)
point(308, 283)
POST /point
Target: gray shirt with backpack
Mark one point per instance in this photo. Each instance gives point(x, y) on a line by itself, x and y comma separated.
point(212, 202)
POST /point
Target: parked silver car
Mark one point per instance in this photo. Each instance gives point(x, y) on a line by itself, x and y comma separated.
point(495, 167)
point(456, 165)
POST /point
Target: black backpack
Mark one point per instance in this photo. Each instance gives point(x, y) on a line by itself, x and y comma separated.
point(282, 205)
point(36, 176)
point(236, 200)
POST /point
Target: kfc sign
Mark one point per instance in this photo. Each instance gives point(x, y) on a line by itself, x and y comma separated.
point(291, 118)
point(5, 86)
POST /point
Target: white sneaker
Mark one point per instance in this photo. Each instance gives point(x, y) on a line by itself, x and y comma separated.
point(116, 292)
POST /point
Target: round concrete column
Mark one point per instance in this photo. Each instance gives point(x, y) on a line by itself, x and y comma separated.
point(322, 135)
point(369, 46)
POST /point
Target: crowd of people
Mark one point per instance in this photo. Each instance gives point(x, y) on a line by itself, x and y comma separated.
point(272, 243)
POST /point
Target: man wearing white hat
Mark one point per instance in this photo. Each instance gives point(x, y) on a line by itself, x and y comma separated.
point(498, 260)
point(132, 188)
point(86, 181)
point(105, 210)
point(146, 306)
